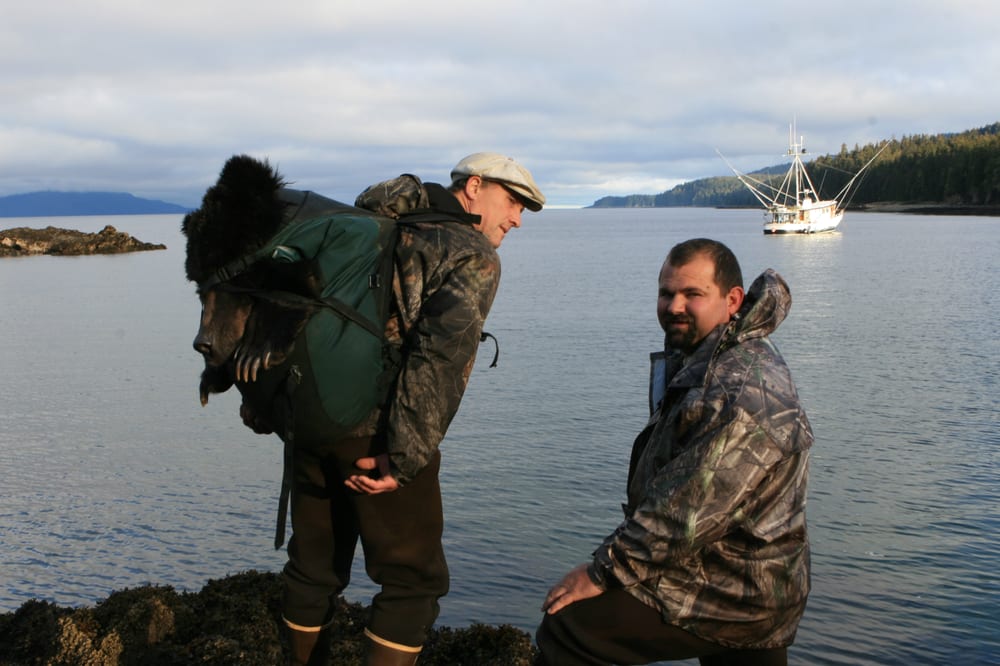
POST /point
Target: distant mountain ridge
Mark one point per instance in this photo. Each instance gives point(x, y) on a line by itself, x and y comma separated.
point(57, 204)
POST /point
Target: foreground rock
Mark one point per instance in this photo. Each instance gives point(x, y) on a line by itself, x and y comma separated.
point(21, 241)
point(232, 621)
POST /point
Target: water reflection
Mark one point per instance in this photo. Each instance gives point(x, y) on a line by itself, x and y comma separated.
point(114, 475)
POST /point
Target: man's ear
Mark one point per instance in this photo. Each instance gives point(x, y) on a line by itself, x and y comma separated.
point(734, 300)
point(472, 187)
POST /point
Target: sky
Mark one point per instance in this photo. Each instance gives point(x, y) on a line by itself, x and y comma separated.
point(596, 98)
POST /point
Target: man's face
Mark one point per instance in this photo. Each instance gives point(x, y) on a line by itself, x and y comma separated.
point(691, 304)
point(499, 209)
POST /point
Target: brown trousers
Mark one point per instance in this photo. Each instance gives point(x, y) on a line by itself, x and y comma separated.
point(617, 628)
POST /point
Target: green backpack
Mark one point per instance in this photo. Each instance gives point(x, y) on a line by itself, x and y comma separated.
point(337, 371)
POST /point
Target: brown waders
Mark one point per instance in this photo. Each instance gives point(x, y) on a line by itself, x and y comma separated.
point(400, 533)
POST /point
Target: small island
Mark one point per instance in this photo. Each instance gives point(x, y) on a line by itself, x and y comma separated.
point(24, 241)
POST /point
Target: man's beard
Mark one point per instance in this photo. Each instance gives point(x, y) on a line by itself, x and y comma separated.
point(683, 340)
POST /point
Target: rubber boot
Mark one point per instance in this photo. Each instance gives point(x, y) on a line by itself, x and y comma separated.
point(384, 655)
point(308, 648)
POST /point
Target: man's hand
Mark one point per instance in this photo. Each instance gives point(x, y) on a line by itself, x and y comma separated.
point(575, 586)
point(385, 483)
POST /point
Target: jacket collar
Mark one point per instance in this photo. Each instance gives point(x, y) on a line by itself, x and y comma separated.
point(443, 201)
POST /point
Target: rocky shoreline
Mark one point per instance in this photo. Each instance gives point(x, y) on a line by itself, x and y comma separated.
point(928, 208)
point(25, 241)
point(234, 620)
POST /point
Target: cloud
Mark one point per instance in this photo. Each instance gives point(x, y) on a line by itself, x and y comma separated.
point(594, 98)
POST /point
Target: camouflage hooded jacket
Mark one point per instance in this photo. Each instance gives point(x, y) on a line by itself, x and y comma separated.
point(446, 276)
point(715, 529)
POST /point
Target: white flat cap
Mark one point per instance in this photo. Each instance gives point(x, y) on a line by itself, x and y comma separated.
point(502, 169)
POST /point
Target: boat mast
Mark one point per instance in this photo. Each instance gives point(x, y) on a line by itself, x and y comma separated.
point(803, 183)
point(795, 150)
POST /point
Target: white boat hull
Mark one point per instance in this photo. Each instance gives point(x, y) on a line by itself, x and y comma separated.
point(796, 229)
point(809, 218)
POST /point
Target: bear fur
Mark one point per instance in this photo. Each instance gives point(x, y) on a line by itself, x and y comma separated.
point(237, 216)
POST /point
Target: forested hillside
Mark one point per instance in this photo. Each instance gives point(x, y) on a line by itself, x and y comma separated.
point(953, 170)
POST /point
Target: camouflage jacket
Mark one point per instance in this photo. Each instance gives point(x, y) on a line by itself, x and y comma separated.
point(715, 529)
point(445, 279)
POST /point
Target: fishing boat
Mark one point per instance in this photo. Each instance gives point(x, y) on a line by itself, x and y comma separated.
point(795, 206)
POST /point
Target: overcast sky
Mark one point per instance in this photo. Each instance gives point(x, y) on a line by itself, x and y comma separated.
point(595, 97)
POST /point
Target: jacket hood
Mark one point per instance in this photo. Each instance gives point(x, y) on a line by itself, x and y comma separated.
point(765, 306)
point(395, 197)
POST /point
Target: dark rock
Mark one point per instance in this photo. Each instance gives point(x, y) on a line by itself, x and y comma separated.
point(22, 241)
point(234, 620)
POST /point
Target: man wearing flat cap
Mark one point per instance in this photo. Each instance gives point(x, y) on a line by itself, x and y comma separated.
point(381, 484)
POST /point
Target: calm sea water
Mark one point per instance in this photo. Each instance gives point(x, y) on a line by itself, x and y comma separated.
point(114, 476)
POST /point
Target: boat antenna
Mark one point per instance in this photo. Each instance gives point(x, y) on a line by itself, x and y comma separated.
point(758, 188)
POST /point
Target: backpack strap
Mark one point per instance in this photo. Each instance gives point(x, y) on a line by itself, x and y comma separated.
point(496, 344)
point(292, 299)
point(232, 269)
point(287, 479)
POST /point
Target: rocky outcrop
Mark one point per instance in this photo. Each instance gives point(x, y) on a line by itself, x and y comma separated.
point(22, 241)
point(235, 620)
